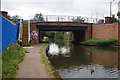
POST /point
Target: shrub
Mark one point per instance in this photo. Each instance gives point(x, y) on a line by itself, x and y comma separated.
point(101, 42)
point(26, 51)
point(46, 38)
point(11, 57)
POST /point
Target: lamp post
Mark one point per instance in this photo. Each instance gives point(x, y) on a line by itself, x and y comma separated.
point(111, 7)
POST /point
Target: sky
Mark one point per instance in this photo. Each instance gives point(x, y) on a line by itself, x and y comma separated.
point(84, 8)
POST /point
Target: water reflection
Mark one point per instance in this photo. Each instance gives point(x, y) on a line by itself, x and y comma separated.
point(56, 51)
point(75, 61)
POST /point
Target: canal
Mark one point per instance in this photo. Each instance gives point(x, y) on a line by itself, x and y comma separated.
point(76, 61)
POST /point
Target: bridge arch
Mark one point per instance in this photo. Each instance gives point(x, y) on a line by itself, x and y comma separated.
point(80, 31)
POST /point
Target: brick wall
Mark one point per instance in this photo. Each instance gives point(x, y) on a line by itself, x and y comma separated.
point(4, 13)
point(119, 32)
point(32, 31)
point(88, 33)
point(105, 31)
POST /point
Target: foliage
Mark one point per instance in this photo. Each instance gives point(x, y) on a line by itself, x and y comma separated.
point(43, 56)
point(46, 38)
point(14, 18)
point(46, 61)
point(118, 14)
point(13, 55)
point(38, 18)
point(59, 35)
point(50, 34)
point(67, 35)
point(42, 48)
point(56, 35)
point(26, 51)
point(101, 42)
point(114, 19)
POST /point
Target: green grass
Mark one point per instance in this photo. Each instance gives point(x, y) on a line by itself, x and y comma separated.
point(46, 61)
point(43, 56)
point(26, 51)
point(48, 69)
point(11, 57)
point(42, 47)
point(101, 42)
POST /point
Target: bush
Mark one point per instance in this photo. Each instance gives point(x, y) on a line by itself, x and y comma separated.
point(101, 42)
point(46, 38)
point(11, 57)
point(26, 51)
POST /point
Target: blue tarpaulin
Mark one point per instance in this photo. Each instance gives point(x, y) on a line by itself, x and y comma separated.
point(8, 33)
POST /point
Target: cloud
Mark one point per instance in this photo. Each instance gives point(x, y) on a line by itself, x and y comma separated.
point(25, 8)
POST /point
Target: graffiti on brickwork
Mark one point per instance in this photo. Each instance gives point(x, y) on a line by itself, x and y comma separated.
point(34, 35)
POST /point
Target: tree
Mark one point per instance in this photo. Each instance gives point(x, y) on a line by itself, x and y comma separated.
point(114, 19)
point(38, 17)
point(14, 18)
point(9, 17)
point(118, 14)
point(50, 34)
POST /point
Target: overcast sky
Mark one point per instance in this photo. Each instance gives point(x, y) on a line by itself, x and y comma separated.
point(84, 8)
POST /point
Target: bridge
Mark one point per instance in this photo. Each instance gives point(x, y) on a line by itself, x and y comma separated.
point(66, 18)
point(80, 31)
point(81, 27)
point(61, 26)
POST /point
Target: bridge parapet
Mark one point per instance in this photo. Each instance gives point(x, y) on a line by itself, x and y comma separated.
point(65, 18)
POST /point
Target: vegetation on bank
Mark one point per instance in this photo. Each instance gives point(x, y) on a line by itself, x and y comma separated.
point(11, 57)
point(101, 42)
point(101, 49)
point(46, 61)
point(56, 35)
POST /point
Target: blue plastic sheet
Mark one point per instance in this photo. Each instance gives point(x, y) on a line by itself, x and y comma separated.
point(8, 34)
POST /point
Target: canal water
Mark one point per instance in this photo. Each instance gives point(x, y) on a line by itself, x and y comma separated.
point(76, 61)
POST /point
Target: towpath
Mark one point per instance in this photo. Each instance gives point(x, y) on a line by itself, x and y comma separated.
point(32, 66)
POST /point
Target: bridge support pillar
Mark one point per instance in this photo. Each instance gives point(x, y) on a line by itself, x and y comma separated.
point(78, 36)
point(39, 35)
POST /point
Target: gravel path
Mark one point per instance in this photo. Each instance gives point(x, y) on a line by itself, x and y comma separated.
point(32, 66)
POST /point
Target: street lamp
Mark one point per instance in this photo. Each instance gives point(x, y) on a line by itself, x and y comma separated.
point(111, 7)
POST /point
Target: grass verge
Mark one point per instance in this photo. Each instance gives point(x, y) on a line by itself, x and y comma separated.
point(101, 42)
point(11, 57)
point(46, 61)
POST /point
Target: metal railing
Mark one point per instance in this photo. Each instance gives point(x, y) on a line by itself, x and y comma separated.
point(65, 18)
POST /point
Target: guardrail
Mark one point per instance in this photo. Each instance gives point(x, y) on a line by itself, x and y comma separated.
point(65, 18)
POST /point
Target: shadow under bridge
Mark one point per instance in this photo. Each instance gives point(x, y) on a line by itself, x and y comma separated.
point(80, 31)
